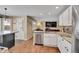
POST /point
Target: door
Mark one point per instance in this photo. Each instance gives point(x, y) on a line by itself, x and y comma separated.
point(19, 29)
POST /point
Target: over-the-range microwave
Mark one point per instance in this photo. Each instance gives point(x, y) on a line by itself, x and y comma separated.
point(51, 24)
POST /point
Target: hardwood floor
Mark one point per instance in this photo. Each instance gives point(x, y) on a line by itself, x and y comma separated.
point(28, 47)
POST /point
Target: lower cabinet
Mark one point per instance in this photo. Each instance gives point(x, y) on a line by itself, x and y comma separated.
point(63, 45)
point(8, 40)
point(59, 43)
point(50, 40)
point(66, 47)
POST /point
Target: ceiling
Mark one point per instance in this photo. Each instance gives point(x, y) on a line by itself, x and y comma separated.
point(33, 10)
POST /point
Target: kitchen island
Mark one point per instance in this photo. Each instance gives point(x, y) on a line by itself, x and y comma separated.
point(7, 38)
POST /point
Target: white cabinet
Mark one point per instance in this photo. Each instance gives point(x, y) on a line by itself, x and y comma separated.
point(66, 47)
point(63, 45)
point(60, 20)
point(50, 40)
point(59, 43)
point(65, 19)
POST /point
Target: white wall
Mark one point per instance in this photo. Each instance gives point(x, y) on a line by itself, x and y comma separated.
point(53, 18)
point(29, 28)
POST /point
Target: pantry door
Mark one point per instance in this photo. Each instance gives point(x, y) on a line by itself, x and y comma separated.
point(19, 28)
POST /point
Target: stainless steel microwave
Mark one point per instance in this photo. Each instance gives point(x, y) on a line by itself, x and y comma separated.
point(51, 24)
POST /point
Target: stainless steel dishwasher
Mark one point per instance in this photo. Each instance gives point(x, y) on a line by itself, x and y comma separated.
point(38, 37)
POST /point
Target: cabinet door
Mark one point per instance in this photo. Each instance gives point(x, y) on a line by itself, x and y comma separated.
point(50, 40)
point(46, 40)
point(70, 15)
point(67, 46)
point(65, 18)
point(60, 20)
point(9, 40)
point(60, 46)
point(53, 39)
point(63, 47)
point(59, 43)
point(19, 28)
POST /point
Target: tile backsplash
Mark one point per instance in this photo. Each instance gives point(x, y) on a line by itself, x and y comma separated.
point(67, 29)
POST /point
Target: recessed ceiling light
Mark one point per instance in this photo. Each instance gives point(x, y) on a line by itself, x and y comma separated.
point(57, 7)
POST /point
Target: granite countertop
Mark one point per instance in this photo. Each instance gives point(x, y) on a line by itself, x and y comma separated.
point(7, 32)
point(66, 36)
point(68, 39)
point(60, 33)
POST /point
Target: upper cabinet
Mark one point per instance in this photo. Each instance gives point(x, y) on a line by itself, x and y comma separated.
point(65, 19)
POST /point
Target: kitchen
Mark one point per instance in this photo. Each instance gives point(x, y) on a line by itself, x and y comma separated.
point(47, 31)
point(56, 33)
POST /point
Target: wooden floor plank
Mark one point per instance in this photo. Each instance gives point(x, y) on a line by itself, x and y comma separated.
point(28, 47)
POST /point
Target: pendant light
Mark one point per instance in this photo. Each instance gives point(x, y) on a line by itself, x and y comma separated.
point(5, 13)
point(5, 18)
